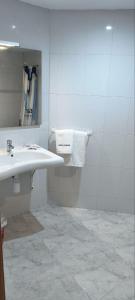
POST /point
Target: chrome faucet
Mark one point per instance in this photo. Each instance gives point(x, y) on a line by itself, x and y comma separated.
point(10, 146)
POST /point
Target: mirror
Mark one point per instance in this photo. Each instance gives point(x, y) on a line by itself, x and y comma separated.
point(20, 87)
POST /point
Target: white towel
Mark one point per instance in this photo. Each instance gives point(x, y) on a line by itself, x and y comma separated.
point(78, 156)
point(64, 141)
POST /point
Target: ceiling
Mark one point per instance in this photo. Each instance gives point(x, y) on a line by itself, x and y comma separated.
point(83, 4)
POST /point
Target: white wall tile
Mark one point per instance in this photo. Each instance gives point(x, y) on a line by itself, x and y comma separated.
point(77, 35)
point(67, 74)
point(116, 115)
point(129, 152)
point(53, 111)
point(90, 181)
point(92, 87)
point(94, 113)
point(126, 184)
point(69, 111)
point(116, 204)
point(91, 202)
point(96, 73)
point(109, 203)
point(123, 33)
point(121, 75)
point(109, 181)
point(95, 150)
point(99, 40)
point(131, 118)
point(113, 150)
point(63, 37)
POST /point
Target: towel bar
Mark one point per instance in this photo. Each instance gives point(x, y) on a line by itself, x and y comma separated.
point(89, 133)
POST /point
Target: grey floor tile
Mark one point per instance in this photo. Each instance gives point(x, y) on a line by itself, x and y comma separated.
point(79, 255)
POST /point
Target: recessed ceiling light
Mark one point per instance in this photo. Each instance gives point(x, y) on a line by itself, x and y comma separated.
point(108, 27)
point(13, 26)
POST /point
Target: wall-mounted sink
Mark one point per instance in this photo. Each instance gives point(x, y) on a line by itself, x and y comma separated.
point(24, 159)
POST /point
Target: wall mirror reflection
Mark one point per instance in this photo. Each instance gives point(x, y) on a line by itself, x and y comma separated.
point(20, 87)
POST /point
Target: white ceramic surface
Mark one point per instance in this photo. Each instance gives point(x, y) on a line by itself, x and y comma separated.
point(26, 159)
point(91, 86)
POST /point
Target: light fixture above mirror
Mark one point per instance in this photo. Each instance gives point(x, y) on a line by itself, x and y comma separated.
point(6, 44)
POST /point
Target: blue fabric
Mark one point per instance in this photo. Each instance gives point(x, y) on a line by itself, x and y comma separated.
point(35, 103)
point(31, 73)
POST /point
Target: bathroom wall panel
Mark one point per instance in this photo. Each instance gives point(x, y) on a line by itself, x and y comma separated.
point(77, 35)
point(63, 105)
point(70, 69)
point(121, 83)
point(123, 37)
point(26, 18)
point(97, 94)
point(131, 121)
point(116, 120)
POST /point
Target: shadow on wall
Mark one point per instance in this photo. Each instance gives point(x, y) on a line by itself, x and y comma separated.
point(62, 189)
point(63, 183)
point(11, 203)
point(102, 184)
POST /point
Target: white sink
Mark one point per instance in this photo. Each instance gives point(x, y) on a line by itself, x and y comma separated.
point(24, 159)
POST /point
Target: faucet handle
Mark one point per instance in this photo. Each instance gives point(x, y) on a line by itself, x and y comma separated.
point(10, 147)
point(9, 142)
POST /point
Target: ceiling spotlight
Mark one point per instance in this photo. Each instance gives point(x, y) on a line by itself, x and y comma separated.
point(108, 27)
point(13, 27)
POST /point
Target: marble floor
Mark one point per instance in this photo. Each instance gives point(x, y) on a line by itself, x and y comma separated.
point(80, 255)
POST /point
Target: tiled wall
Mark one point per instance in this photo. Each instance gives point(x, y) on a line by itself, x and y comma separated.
point(32, 32)
point(92, 87)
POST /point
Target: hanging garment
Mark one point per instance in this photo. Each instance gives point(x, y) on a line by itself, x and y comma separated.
point(29, 106)
point(26, 87)
point(33, 104)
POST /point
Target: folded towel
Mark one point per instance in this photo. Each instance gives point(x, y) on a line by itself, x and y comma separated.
point(64, 141)
point(78, 156)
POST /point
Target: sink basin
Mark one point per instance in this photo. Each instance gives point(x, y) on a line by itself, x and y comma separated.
point(24, 159)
